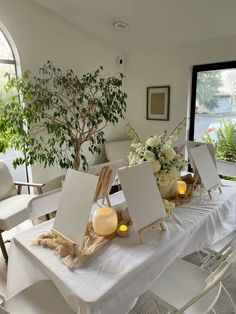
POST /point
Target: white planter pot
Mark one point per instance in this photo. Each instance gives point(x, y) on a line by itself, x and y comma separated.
point(226, 168)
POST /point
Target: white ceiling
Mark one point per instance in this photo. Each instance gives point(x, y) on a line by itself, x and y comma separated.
point(152, 23)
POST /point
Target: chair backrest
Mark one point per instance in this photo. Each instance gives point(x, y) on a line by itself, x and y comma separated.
point(42, 297)
point(7, 186)
point(118, 150)
point(4, 311)
point(44, 204)
point(214, 278)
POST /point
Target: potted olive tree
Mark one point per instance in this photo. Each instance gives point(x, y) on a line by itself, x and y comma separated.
point(50, 117)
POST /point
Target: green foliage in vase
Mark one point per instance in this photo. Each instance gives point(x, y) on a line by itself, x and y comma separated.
point(60, 112)
point(133, 135)
point(225, 144)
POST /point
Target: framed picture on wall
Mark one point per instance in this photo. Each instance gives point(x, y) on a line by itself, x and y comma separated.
point(158, 103)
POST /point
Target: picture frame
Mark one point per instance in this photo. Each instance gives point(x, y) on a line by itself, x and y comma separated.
point(158, 103)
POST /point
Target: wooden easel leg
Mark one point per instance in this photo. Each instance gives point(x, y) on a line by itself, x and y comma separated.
point(108, 200)
point(162, 225)
point(141, 237)
point(3, 248)
point(209, 193)
point(47, 217)
point(102, 186)
point(151, 227)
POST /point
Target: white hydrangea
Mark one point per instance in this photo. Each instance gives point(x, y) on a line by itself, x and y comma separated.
point(163, 179)
point(165, 162)
point(148, 155)
point(173, 173)
point(168, 205)
point(156, 166)
point(153, 141)
point(169, 153)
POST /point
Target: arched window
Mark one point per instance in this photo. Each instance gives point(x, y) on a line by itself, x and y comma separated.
point(8, 63)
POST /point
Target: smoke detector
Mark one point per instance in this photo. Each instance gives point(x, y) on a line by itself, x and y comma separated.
point(121, 26)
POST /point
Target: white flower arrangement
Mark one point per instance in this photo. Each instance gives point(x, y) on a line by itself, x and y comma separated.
point(169, 206)
point(166, 163)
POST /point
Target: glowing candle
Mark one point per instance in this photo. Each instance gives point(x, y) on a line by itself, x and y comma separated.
point(105, 221)
point(122, 231)
point(182, 187)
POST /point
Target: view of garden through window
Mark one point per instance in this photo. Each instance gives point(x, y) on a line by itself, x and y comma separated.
point(8, 64)
point(215, 111)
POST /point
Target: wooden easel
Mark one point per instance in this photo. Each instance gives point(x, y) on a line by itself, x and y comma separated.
point(197, 179)
point(150, 227)
point(102, 186)
point(196, 183)
point(69, 241)
point(214, 188)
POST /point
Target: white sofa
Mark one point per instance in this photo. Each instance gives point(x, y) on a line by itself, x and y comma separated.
point(118, 150)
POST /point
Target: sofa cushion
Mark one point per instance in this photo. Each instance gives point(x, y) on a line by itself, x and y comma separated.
point(7, 186)
point(13, 210)
point(118, 150)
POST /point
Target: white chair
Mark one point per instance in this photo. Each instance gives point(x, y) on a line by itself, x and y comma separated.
point(186, 288)
point(118, 150)
point(13, 205)
point(44, 204)
point(212, 256)
point(40, 298)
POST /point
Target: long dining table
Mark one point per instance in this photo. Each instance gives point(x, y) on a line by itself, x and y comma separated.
point(111, 279)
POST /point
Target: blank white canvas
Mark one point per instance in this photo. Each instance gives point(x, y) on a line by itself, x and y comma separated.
point(113, 165)
point(142, 195)
point(191, 144)
point(205, 166)
point(75, 205)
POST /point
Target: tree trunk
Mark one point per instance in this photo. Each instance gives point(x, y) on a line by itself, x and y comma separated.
point(77, 156)
point(77, 163)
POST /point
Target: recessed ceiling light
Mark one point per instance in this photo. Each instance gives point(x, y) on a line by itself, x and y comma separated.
point(121, 25)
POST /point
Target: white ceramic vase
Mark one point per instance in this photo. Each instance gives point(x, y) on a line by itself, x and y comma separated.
point(169, 190)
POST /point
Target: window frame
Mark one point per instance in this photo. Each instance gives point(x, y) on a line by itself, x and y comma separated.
point(202, 68)
point(14, 62)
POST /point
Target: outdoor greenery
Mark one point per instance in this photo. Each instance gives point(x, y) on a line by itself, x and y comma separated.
point(10, 68)
point(208, 83)
point(225, 143)
point(61, 112)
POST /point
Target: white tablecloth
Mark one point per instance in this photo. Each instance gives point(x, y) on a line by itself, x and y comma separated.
point(110, 280)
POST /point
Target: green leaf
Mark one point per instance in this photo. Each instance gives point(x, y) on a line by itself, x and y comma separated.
point(59, 109)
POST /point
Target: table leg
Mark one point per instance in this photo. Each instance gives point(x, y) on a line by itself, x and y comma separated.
point(3, 248)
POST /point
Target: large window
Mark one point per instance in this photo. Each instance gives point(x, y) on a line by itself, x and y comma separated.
point(8, 64)
point(213, 108)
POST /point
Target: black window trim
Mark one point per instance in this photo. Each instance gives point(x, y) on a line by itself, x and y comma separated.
point(201, 68)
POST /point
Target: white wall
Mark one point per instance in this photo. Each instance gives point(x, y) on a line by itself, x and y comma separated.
point(170, 67)
point(40, 36)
